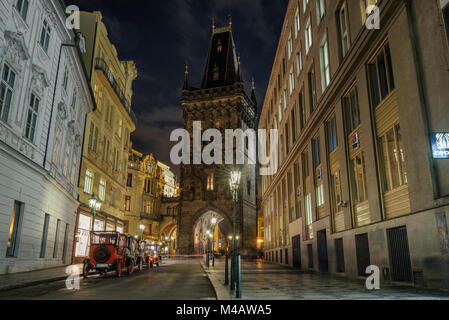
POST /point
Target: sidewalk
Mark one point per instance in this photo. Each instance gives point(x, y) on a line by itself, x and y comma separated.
point(266, 281)
point(31, 278)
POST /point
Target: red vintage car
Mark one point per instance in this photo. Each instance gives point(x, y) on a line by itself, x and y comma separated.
point(108, 252)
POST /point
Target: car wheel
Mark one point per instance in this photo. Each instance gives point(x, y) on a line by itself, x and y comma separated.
point(131, 266)
point(118, 269)
point(85, 270)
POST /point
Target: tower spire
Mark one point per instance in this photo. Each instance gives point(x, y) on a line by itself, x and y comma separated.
point(230, 20)
point(213, 24)
point(186, 77)
point(239, 69)
point(253, 93)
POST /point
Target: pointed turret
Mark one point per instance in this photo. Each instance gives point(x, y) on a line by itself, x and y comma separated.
point(239, 70)
point(221, 65)
point(253, 93)
point(186, 79)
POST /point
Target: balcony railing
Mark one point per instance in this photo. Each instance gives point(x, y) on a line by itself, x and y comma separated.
point(151, 217)
point(100, 64)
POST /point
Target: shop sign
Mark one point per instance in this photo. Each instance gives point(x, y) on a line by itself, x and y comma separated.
point(440, 145)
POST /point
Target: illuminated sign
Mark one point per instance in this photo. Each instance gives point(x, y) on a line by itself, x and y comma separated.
point(440, 145)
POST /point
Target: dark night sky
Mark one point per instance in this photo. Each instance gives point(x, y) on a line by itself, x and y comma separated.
point(161, 35)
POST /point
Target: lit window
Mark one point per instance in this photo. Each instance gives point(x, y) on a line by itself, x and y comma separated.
point(15, 230)
point(102, 190)
point(127, 203)
point(210, 182)
point(88, 182)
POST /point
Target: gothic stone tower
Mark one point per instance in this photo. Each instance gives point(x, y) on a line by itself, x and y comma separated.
point(220, 103)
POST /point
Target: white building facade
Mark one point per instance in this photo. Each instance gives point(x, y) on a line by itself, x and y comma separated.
point(44, 99)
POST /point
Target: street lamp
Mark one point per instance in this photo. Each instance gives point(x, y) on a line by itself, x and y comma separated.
point(142, 227)
point(234, 182)
point(94, 205)
point(214, 221)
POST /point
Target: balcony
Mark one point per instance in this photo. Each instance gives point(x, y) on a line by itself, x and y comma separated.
point(151, 217)
point(100, 64)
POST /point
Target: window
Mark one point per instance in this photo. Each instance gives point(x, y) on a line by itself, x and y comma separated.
point(73, 104)
point(33, 111)
point(306, 184)
point(351, 109)
point(298, 62)
point(308, 36)
point(210, 182)
point(297, 190)
point(302, 111)
point(88, 181)
point(293, 117)
point(281, 148)
point(290, 46)
point(102, 190)
point(381, 81)
point(45, 235)
point(66, 241)
point(320, 10)
point(111, 197)
point(22, 8)
point(285, 99)
point(129, 181)
point(393, 162)
point(66, 159)
point(6, 91)
point(287, 140)
point(94, 147)
point(319, 194)
point(304, 4)
point(56, 245)
point(65, 79)
point(248, 187)
point(56, 146)
point(343, 29)
point(297, 22)
point(73, 172)
point(45, 36)
point(331, 135)
point(325, 68)
point(91, 134)
point(15, 230)
point(292, 82)
point(147, 206)
point(119, 127)
point(358, 179)
point(127, 203)
point(280, 111)
point(312, 89)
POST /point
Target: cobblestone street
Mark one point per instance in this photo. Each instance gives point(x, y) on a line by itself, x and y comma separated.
point(266, 281)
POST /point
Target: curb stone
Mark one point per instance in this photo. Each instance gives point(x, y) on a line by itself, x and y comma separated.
point(221, 291)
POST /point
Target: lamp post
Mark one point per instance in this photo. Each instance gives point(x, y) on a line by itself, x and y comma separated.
point(214, 221)
point(142, 227)
point(94, 205)
point(234, 182)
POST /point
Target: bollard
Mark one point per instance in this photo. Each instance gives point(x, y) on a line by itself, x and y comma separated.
point(207, 259)
point(232, 273)
point(213, 259)
point(238, 291)
point(226, 271)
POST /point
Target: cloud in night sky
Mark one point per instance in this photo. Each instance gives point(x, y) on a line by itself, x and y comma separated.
point(161, 35)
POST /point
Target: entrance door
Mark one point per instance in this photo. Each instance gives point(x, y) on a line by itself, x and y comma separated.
point(401, 268)
point(362, 252)
point(322, 251)
point(296, 250)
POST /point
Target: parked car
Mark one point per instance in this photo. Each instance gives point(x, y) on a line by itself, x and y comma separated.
point(131, 253)
point(107, 253)
point(150, 256)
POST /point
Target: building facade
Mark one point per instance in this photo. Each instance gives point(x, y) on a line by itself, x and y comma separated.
point(106, 143)
point(220, 103)
point(168, 179)
point(44, 99)
point(358, 110)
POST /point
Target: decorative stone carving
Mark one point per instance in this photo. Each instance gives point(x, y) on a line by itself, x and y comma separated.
point(15, 50)
point(62, 111)
point(39, 80)
point(20, 24)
